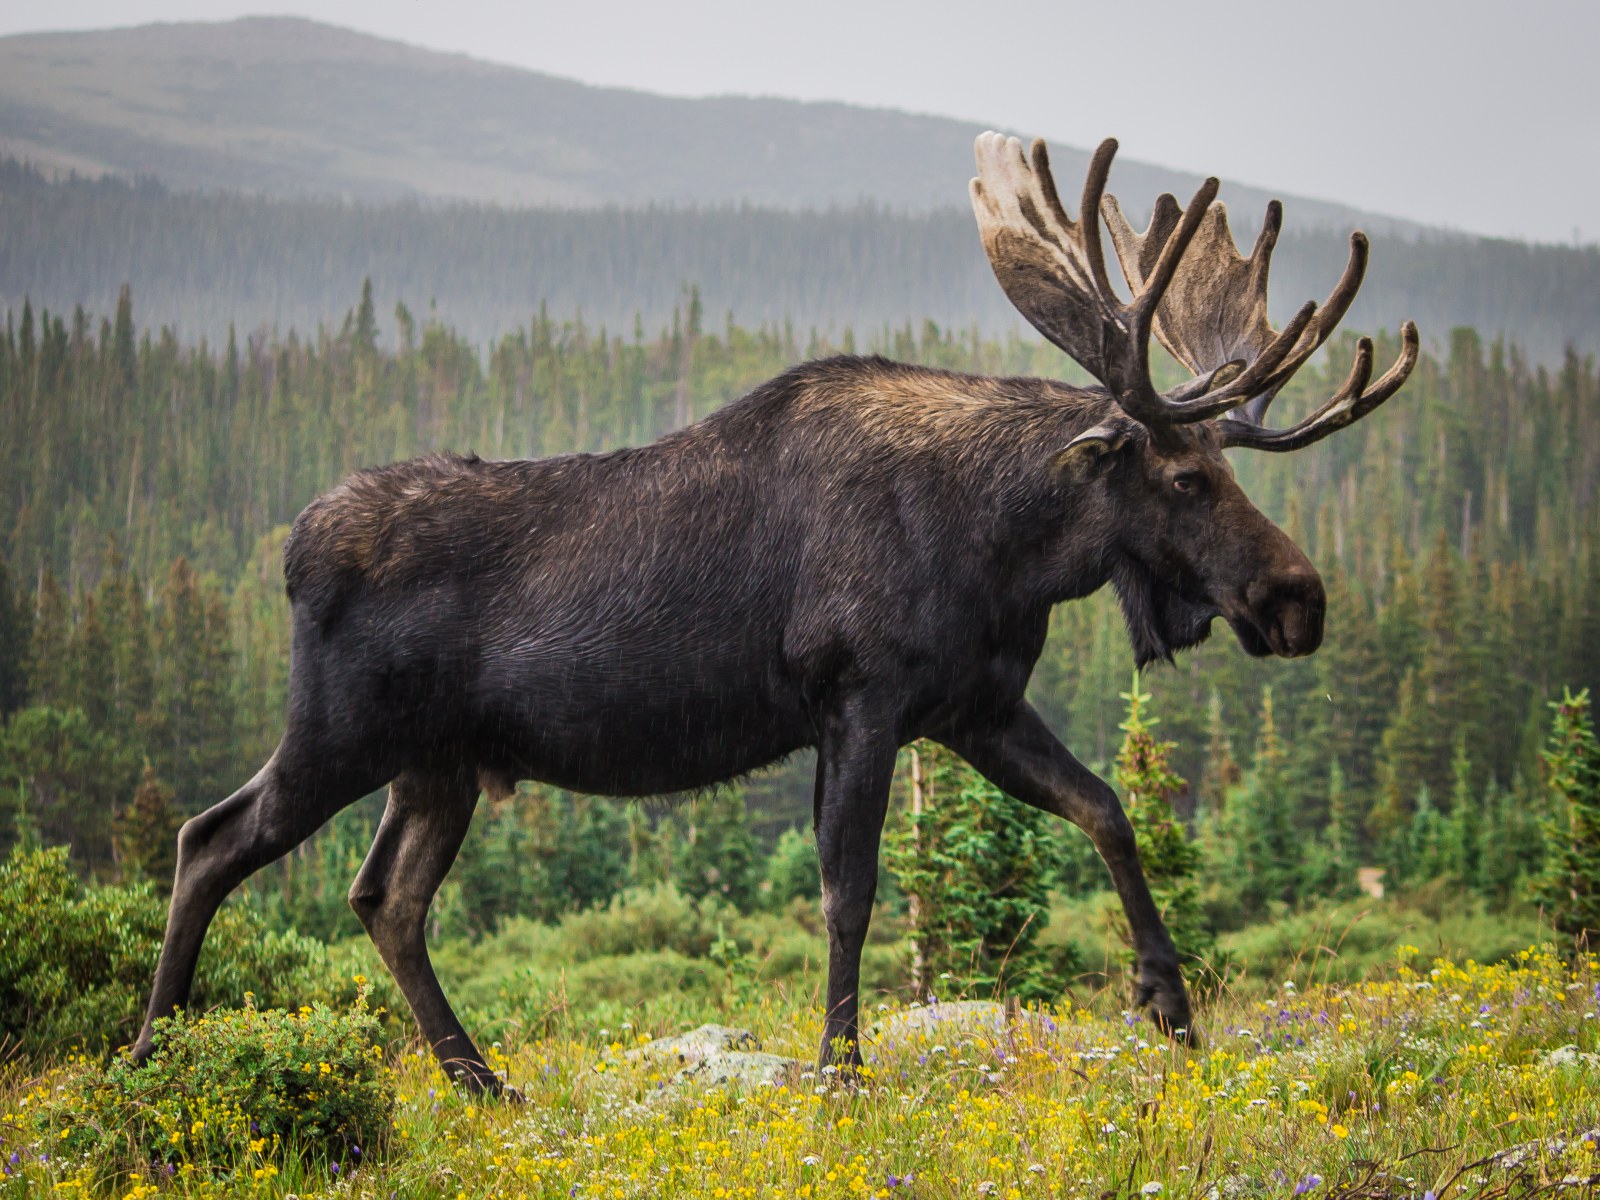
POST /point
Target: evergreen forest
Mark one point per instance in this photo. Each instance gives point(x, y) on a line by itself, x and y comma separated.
point(203, 260)
point(147, 485)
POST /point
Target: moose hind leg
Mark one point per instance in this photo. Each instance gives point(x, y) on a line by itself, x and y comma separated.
point(421, 832)
point(221, 848)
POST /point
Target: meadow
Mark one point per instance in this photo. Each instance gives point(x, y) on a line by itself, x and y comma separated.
point(1422, 1076)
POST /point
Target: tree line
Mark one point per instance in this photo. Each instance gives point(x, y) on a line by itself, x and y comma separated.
point(146, 486)
point(204, 259)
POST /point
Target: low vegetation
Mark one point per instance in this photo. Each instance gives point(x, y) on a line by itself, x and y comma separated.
point(1448, 1077)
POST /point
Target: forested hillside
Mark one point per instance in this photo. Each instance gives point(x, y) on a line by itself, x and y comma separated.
point(203, 262)
point(145, 487)
point(290, 107)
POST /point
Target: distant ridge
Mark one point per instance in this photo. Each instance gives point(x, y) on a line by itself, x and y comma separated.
point(293, 159)
point(288, 106)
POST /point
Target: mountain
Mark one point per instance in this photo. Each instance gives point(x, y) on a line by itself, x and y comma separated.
point(287, 106)
point(255, 172)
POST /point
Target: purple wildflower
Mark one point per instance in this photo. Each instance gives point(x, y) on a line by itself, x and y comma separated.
point(1306, 1184)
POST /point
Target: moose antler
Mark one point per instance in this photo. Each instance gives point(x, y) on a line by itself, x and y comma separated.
point(1205, 303)
point(1215, 312)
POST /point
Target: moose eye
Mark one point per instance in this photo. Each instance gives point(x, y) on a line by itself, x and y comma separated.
point(1186, 483)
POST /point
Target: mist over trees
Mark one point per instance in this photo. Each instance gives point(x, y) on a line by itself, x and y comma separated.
point(203, 261)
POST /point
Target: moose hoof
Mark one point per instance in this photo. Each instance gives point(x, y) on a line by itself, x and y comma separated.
point(479, 1081)
point(1163, 993)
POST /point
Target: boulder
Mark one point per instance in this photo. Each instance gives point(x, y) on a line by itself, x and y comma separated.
point(718, 1055)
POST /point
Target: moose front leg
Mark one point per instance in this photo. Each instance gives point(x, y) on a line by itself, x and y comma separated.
point(855, 766)
point(1024, 759)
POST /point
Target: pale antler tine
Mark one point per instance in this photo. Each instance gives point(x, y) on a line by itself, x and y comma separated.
point(1201, 384)
point(1280, 347)
point(1155, 283)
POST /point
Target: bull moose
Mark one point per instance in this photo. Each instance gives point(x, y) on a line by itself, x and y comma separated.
point(856, 554)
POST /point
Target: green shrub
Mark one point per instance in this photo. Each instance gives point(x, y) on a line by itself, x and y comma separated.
point(792, 871)
point(76, 960)
point(643, 919)
point(233, 1090)
point(1356, 939)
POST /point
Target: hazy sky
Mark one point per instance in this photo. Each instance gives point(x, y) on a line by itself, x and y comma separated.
point(1467, 113)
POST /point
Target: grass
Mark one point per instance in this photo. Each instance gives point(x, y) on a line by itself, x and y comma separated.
point(1408, 1083)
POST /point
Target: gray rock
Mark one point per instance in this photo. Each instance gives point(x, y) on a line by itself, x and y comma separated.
point(697, 1044)
point(717, 1055)
point(742, 1068)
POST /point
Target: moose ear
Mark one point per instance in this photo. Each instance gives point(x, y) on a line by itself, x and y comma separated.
point(1089, 455)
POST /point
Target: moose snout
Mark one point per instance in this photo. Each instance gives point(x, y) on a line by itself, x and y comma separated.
point(1287, 609)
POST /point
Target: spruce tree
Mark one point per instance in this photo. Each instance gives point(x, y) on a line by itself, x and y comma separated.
point(1222, 771)
point(1258, 853)
point(1148, 784)
point(15, 631)
point(192, 743)
point(591, 863)
point(146, 833)
point(1569, 886)
point(1425, 851)
point(49, 664)
point(974, 865)
point(792, 871)
point(1464, 826)
point(718, 856)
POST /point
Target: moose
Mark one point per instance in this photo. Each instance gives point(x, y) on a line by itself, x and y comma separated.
point(857, 554)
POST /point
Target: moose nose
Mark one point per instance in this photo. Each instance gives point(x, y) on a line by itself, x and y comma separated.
point(1288, 609)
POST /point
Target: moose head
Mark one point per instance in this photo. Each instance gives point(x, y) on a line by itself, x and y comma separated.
point(1199, 549)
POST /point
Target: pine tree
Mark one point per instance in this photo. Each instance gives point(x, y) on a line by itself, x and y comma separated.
point(146, 833)
point(718, 857)
point(15, 632)
point(975, 866)
point(1258, 854)
point(1333, 857)
point(792, 871)
point(49, 664)
point(192, 730)
point(1464, 825)
point(1404, 763)
point(1222, 772)
point(591, 863)
point(649, 847)
point(1569, 886)
point(1148, 784)
point(1425, 849)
